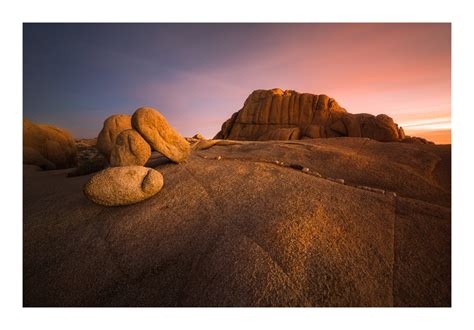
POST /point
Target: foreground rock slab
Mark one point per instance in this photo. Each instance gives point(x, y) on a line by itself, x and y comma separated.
point(231, 227)
point(125, 185)
point(160, 135)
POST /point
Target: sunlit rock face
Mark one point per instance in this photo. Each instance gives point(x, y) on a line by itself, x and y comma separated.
point(288, 115)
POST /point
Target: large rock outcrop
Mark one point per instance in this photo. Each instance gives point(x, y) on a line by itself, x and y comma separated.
point(287, 115)
point(47, 146)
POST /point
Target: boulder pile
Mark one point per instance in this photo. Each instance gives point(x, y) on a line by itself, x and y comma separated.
point(126, 142)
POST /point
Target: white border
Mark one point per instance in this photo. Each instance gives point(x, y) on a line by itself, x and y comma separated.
point(15, 13)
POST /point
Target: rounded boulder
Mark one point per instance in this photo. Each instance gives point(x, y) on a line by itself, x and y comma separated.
point(126, 185)
point(113, 126)
point(130, 149)
point(48, 146)
point(163, 138)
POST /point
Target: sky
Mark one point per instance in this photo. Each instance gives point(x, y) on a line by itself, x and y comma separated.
point(197, 75)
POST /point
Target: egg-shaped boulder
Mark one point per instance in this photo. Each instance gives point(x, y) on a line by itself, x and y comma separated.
point(126, 185)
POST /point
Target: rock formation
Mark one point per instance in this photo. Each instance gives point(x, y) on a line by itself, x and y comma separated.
point(125, 185)
point(113, 126)
point(127, 149)
point(130, 149)
point(48, 146)
point(288, 115)
point(160, 135)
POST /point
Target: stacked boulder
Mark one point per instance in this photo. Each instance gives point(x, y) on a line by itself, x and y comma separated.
point(288, 115)
point(126, 143)
point(47, 146)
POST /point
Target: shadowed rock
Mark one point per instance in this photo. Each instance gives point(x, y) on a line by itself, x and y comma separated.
point(163, 138)
point(415, 139)
point(91, 165)
point(130, 149)
point(48, 146)
point(282, 134)
point(33, 157)
point(125, 185)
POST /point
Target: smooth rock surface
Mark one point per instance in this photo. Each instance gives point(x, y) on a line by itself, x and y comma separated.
point(130, 149)
point(160, 135)
point(126, 185)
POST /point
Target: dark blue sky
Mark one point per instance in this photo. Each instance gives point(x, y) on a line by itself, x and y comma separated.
point(197, 75)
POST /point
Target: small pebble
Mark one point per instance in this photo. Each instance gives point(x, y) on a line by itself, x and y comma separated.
point(277, 162)
point(218, 157)
point(341, 181)
point(305, 169)
point(205, 157)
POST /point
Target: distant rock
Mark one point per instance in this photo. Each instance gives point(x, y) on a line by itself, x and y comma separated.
point(198, 137)
point(287, 115)
point(113, 126)
point(48, 146)
point(85, 143)
point(123, 185)
point(130, 149)
point(86, 150)
point(163, 138)
point(90, 165)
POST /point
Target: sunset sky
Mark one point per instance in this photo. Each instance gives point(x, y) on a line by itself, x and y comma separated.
point(197, 75)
